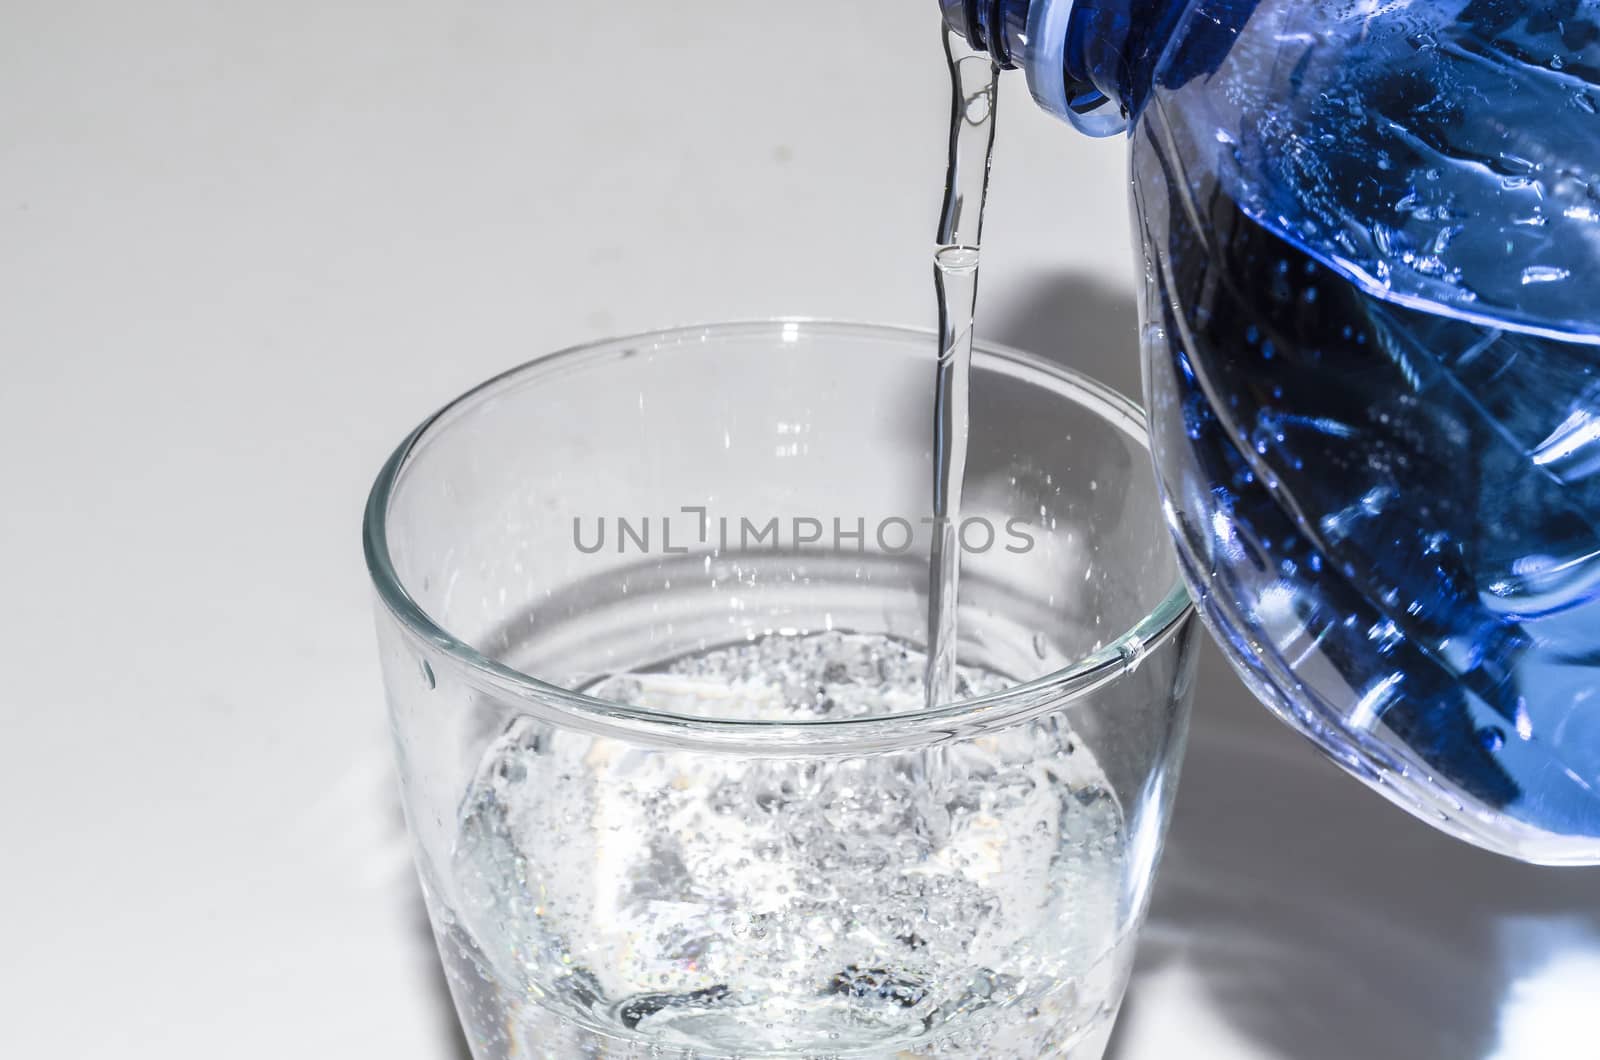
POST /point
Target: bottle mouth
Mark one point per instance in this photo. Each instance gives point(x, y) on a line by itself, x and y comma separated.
point(983, 24)
point(1036, 36)
point(1072, 98)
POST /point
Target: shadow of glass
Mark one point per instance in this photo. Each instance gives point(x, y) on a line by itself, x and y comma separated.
point(444, 1006)
point(441, 1004)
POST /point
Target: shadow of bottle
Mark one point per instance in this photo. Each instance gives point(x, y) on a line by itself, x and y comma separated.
point(1074, 319)
point(1321, 922)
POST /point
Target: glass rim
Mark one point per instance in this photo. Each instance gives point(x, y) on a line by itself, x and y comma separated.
point(1052, 690)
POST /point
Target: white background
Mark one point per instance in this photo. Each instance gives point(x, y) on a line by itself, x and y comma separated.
point(245, 246)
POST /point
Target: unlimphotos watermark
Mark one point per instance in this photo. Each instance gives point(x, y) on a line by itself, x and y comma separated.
point(894, 535)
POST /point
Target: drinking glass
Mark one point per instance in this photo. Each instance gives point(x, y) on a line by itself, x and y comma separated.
point(651, 615)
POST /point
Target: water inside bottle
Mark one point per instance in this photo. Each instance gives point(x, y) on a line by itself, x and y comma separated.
point(1374, 369)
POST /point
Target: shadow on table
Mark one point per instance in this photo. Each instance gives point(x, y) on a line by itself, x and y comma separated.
point(1073, 319)
point(1315, 919)
point(1322, 923)
point(444, 1005)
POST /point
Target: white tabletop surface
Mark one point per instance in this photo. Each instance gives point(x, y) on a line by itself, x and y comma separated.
point(245, 246)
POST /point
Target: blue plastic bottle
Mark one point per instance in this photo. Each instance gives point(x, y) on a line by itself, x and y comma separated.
point(1371, 243)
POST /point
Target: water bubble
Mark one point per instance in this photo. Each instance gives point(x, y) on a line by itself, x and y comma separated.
point(1544, 274)
point(842, 848)
point(427, 676)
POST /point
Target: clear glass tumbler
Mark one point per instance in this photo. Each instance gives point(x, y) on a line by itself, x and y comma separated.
point(651, 617)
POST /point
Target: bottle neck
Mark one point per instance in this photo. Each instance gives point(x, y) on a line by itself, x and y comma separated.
point(1090, 62)
point(998, 28)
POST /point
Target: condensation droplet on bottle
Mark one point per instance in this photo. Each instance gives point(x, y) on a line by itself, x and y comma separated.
point(427, 676)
